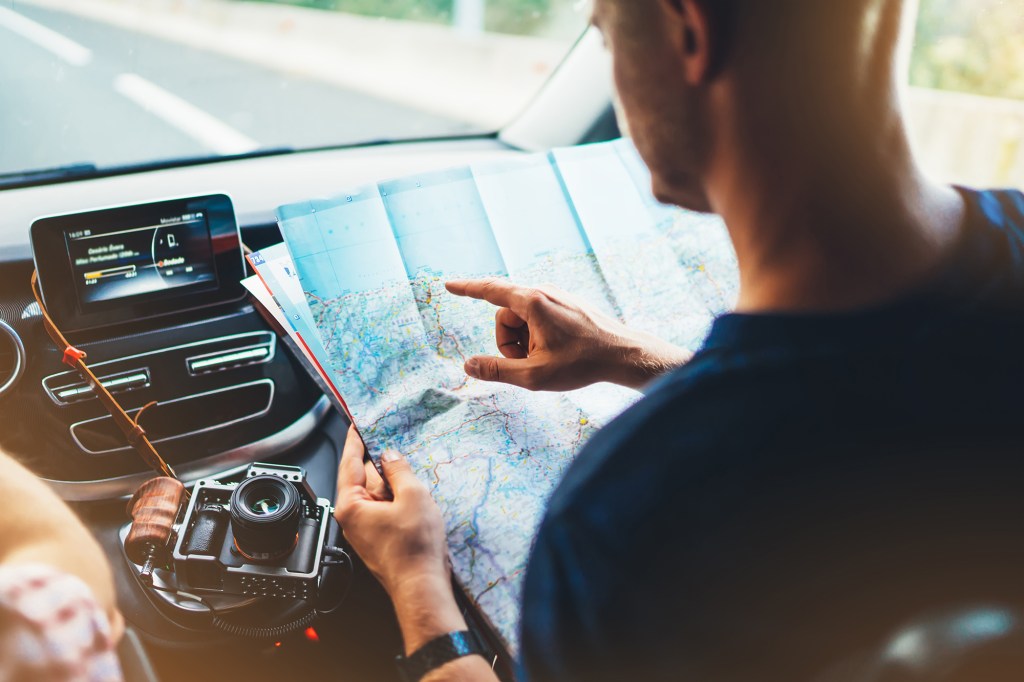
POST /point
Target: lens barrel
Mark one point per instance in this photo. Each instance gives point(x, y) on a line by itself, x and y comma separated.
point(265, 514)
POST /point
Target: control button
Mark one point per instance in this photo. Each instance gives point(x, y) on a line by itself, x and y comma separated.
point(124, 382)
point(222, 361)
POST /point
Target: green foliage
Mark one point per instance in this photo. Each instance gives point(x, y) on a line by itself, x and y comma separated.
point(973, 46)
point(414, 10)
point(502, 16)
point(517, 16)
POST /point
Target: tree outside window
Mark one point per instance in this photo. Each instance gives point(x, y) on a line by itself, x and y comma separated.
point(966, 101)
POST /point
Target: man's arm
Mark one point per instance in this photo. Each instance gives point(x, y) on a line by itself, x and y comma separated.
point(402, 540)
point(553, 342)
point(426, 609)
point(37, 527)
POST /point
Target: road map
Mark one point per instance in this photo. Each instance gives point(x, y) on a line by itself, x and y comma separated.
point(373, 313)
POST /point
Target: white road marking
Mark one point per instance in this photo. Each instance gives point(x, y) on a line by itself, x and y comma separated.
point(46, 38)
point(191, 120)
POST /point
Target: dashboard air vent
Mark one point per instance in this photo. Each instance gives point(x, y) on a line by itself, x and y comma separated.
point(12, 358)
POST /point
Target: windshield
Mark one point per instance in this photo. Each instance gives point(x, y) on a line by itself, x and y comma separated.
point(95, 84)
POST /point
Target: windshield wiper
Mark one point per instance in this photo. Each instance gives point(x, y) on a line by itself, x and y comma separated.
point(182, 161)
point(46, 175)
point(78, 171)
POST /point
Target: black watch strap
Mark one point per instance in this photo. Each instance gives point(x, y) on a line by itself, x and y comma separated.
point(437, 652)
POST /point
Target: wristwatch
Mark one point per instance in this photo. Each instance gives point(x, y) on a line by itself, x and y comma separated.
point(437, 652)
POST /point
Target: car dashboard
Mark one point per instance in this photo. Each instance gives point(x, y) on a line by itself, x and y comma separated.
point(228, 391)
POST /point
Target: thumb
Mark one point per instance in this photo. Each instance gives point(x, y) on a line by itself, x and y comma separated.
point(518, 372)
point(397, 471)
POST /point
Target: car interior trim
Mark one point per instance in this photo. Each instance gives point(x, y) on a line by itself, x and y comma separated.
point(19, 357)
point(227, 389)
point(270, 337)
point(266, 449)
point(76, 391)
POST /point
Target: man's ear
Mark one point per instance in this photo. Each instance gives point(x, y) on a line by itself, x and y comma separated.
point(693, 19)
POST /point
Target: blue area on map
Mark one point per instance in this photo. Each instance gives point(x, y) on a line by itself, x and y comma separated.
point(440, 224)
point(604, 194)
point(346, 240)
point(528, 230)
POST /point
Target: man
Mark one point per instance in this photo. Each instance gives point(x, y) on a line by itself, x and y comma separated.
point(58, 612)
point(841, 455)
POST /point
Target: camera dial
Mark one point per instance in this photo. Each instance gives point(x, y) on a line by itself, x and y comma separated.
point(265, 514)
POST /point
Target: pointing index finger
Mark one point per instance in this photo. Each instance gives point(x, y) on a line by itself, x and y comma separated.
point(495, 290)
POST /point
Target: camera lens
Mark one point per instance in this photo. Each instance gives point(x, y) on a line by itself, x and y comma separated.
point(265, 513)
point(265, 506)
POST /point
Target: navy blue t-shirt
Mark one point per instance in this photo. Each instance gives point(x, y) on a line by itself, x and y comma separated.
point(802, 488)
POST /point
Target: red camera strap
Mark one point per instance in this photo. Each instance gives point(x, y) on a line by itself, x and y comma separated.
point(75, 358)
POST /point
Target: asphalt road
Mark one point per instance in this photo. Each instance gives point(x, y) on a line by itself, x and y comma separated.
point(77, 91)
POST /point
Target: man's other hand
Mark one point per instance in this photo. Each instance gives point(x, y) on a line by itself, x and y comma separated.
point(550, 341)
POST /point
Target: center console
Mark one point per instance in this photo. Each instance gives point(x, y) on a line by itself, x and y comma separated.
point(152, 294)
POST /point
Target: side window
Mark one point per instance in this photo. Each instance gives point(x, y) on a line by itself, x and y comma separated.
point(966, 100)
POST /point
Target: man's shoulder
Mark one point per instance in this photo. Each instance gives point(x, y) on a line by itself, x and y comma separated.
point(755, 373)
point(995, 230)
point(1001, 207)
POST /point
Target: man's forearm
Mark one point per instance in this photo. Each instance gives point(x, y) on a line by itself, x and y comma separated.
point(426, 609)
point(644, 358)
point(465, 669)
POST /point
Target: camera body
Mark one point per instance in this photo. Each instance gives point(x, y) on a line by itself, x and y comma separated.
point(263, 536)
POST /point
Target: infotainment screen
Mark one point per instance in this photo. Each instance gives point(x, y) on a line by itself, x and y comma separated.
point(110, 264)
point(115, 265)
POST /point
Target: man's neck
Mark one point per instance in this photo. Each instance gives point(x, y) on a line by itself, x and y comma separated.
point(829, 236)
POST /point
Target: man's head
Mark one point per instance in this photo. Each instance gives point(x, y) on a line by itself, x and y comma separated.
point(705, 82)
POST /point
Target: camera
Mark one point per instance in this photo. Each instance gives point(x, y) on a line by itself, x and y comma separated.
point(262, 537)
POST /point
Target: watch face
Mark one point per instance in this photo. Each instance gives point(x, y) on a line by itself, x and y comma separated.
point(437, 652)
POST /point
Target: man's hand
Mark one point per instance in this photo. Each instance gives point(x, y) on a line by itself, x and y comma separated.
point(553, 342)
point(402, 540)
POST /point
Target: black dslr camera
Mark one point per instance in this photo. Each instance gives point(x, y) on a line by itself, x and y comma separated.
point(264, 536)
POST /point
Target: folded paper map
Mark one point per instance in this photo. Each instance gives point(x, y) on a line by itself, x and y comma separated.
point(360, 281)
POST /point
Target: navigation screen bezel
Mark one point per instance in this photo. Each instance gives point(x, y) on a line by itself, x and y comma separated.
point(57, 279)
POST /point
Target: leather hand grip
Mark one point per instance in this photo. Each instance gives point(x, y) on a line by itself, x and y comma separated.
point(211, 523)
point(153, 509)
